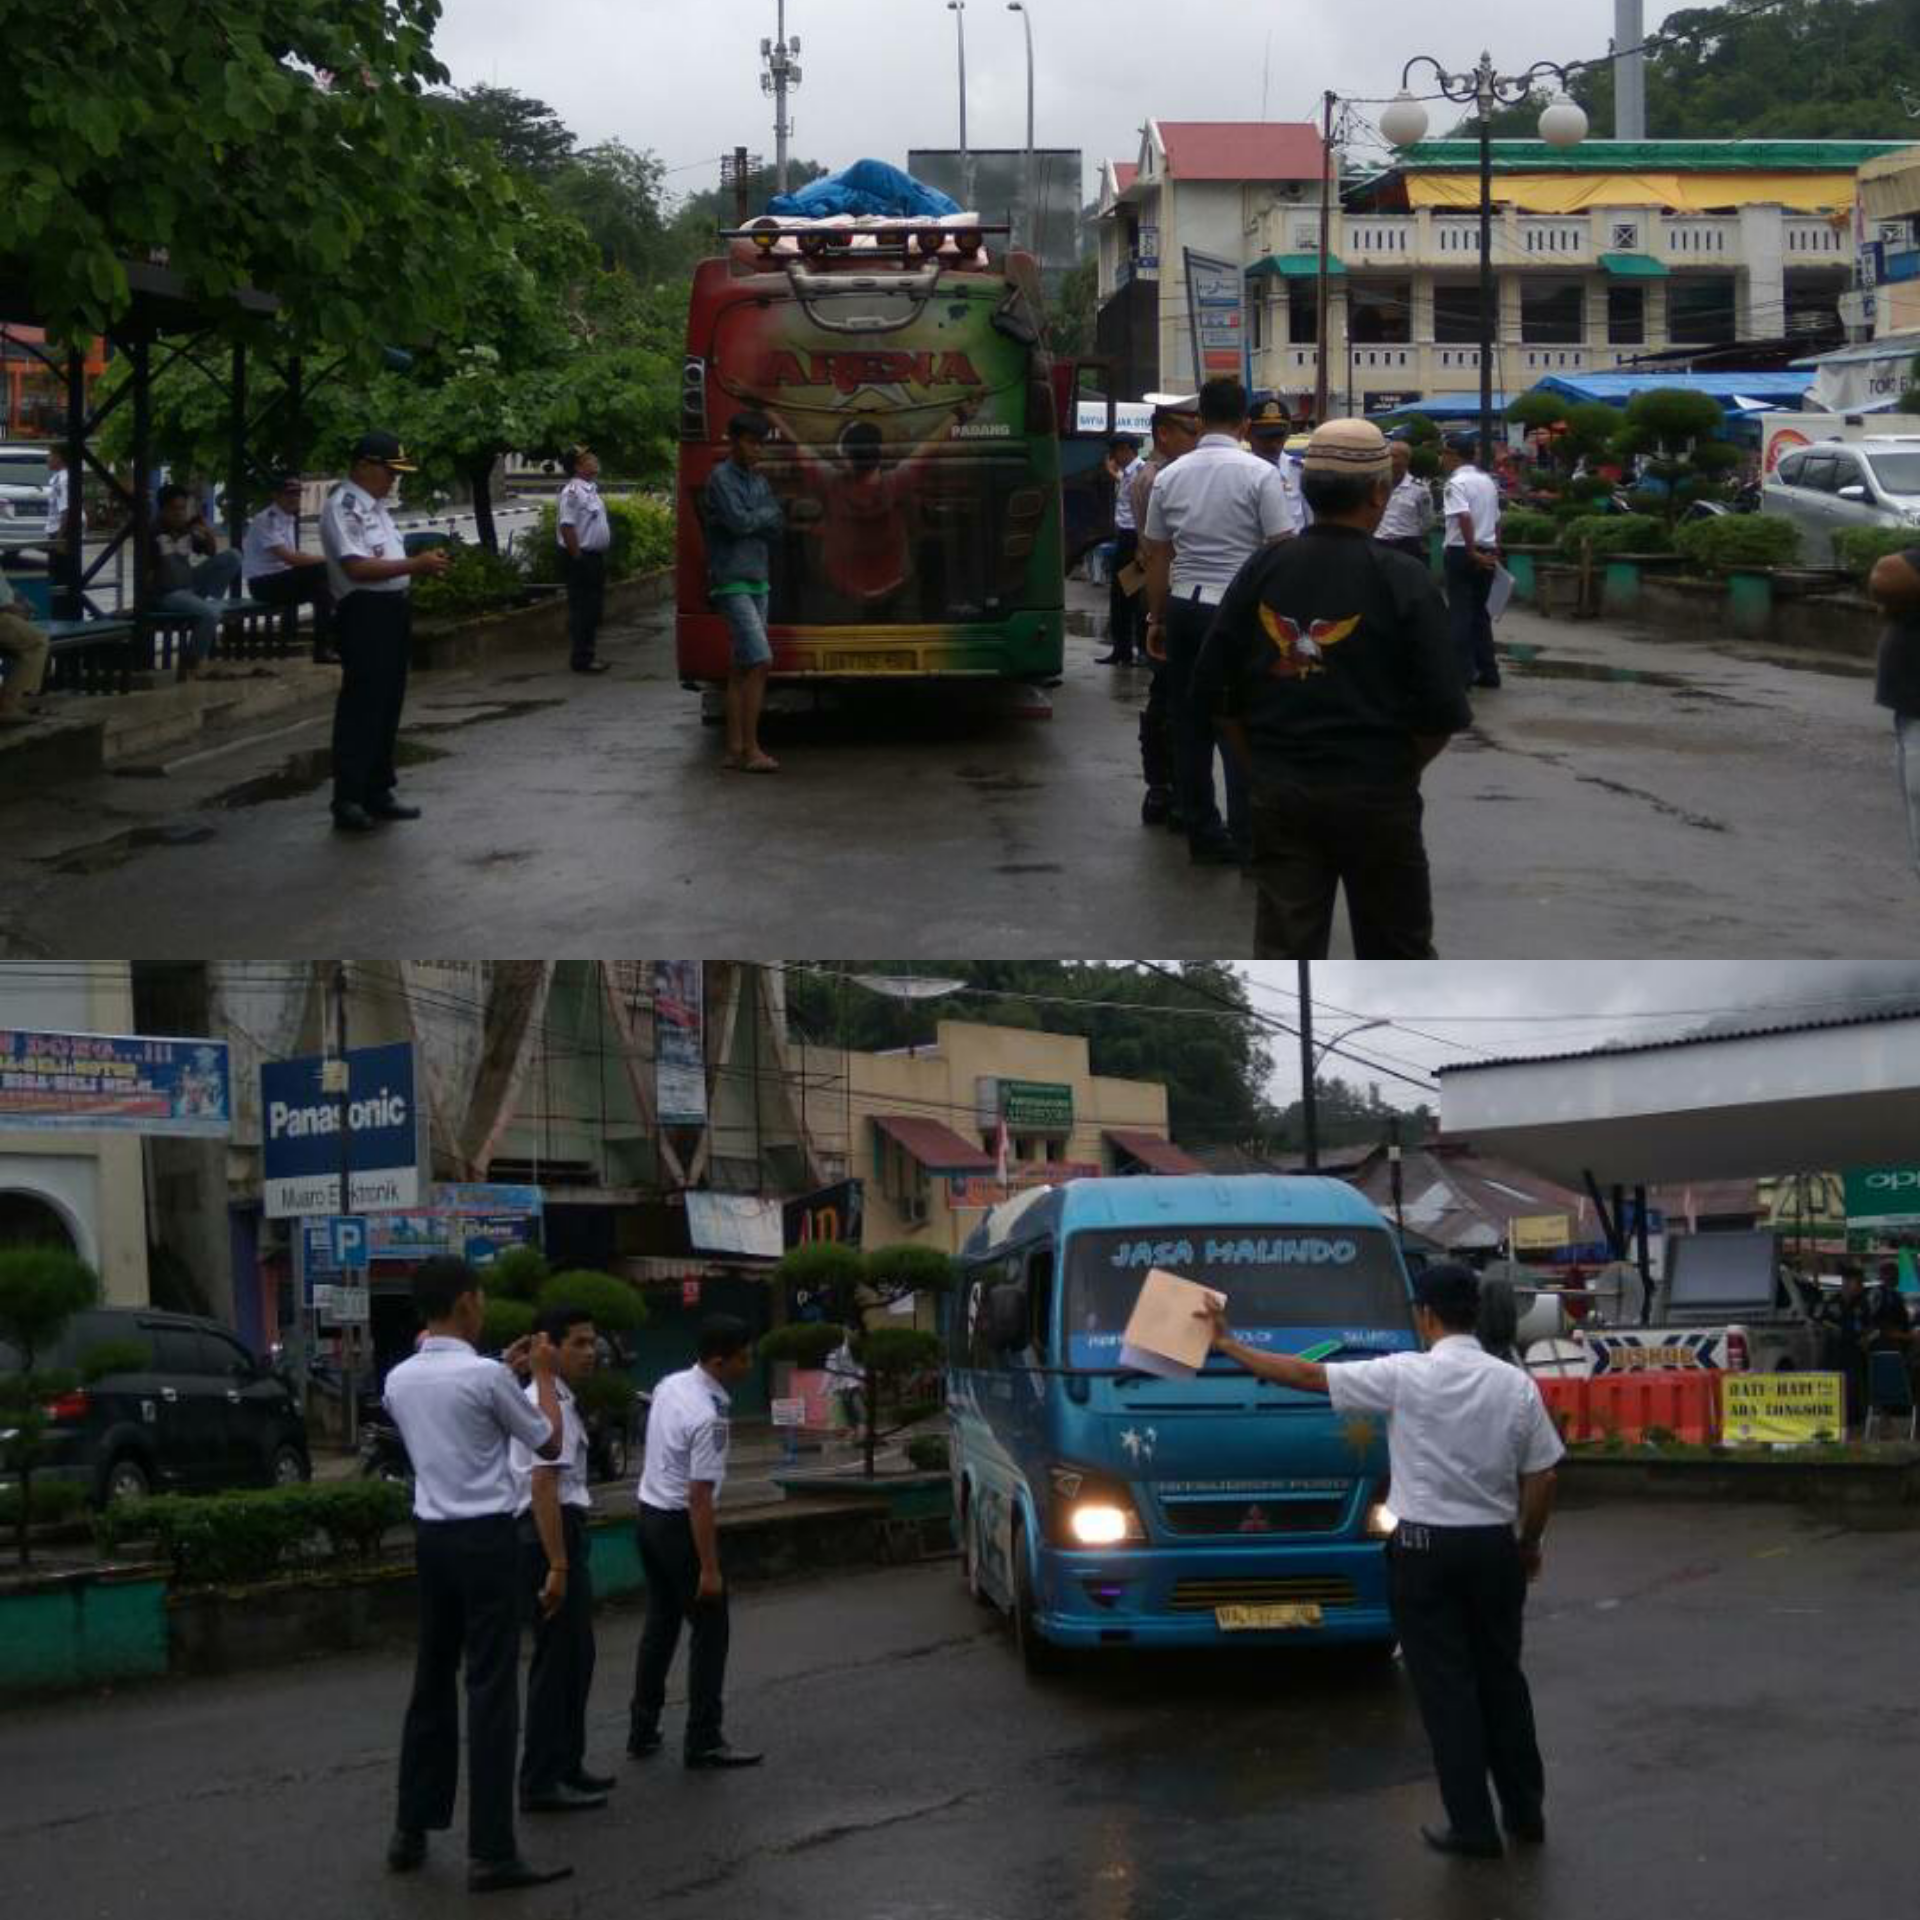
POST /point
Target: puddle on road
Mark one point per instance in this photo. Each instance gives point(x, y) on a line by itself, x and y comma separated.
point(302, 772)
point(1534, 665)
point(1087, 626)
point(995, 780)
point(483, 714)
point(103, 856)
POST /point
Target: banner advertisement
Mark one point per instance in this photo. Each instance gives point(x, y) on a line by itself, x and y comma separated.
point(679, 1042)
point(1883, 1196)
point(983, 1190)
point(1782, 1409)
point(1541, 1230)
point(300, 1135)
point(410, 1237)
point(1216, 291)
point(833, 1215)
point(115, 1083)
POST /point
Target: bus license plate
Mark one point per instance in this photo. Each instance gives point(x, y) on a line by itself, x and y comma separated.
point(1264, 1619)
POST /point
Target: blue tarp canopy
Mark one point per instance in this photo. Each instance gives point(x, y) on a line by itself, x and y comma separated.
point(1782, 390)
point(870, 188)
point(1446, 406)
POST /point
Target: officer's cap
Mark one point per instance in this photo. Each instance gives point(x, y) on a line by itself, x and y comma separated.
point(1467, 443)
point(386, 450)
point(1270, 415)
point(1450, 1290)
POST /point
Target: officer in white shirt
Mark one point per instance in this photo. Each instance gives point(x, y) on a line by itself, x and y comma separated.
point(686, 1465)
point(1123, 466)
point(580, 526)
point(458, 1414)
point(59, 493)
point(368, 571)
point(277, 573)
point(1472, 508)
point(1207, 516)
point(1408, 519)
point(553, 1504)
point(1471, 1451)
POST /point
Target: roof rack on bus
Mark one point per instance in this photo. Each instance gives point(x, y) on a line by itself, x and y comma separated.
point(841, 238)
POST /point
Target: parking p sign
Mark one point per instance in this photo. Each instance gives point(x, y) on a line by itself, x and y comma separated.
point(347, 1244)
point(1884, 1196)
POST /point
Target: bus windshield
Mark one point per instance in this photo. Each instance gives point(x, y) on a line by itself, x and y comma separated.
point(1277, 1279)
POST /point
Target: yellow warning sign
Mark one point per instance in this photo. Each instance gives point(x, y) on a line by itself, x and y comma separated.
point(1783, 1408)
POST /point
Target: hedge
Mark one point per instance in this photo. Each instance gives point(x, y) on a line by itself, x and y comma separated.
point(1608, 534)
point(233, 1538)
point(1739, 540)
point(1525, 527)
point(642, 538)
point(1860, 549)
point(928, 1452)
point(474, 580)
point(53, 1501)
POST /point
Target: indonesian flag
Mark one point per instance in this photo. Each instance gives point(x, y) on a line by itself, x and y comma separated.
point(1001, 1151)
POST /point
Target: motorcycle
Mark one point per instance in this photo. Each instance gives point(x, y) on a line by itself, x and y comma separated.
point(383, 1454)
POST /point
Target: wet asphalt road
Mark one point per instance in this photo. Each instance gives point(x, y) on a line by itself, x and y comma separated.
point(1622, 795)
point(1721, 1693)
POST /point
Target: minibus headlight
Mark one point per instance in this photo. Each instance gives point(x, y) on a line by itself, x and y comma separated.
point(1102, 1523)
point(1381, 1520)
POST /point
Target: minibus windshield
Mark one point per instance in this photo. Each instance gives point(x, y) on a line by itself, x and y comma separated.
point(1336, 1279)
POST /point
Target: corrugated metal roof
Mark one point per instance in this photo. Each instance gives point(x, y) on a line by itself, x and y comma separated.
point(1788, 388)
point(935, 1145)
point(1655, 156)
point(1705, 1038)
point(1160, 1156)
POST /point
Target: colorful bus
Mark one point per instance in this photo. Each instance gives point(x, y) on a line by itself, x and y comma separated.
point(1099, 1506)
point(916, 451)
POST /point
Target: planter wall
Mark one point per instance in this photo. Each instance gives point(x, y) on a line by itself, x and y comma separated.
point(1775, 609)
point(472, 641)
point(82, 1630)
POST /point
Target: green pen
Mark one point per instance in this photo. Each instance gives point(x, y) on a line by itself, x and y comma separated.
point(1321, 1351)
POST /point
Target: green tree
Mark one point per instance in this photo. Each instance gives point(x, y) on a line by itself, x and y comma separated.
point(527, 134)
point(41, 1289)
point(284, 144)
point(1070, 325)
point(1678, 431)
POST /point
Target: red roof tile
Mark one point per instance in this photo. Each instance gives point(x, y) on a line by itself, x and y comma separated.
point(1125, 172)
point(937, 1147)
point(1153, 1153)
point(1241, 150)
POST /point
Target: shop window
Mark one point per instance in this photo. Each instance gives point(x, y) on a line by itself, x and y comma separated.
point(1456, 316)
point(1701, 310)
point(1380, 313)
point(1303, 312)
point(1626, 316)
point(1552, 312)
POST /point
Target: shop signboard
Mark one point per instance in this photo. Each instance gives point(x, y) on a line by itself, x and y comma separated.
point(679, 1042)
point(1146, 262)
point(1883, 1196)
point(1782, 1409)
point(833, 1214)
point(1540, 1231)
point(115, 1083)
point(1037, 1106)
point(1216, 293)
point(408, 1236)
point(977, 1192)
point(300, 1134)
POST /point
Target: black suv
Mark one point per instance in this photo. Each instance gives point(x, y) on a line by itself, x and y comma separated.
point(203, 1412)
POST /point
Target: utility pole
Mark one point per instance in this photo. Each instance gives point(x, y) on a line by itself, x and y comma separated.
point(1033, 205)
point(350, 1338)
point(740, 195)
point(781, 78)
point(1629, 70)
point(1321, 372)
point(958, 8)
point(1309, 1116)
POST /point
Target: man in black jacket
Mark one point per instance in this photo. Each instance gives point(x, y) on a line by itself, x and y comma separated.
point(1330, 670)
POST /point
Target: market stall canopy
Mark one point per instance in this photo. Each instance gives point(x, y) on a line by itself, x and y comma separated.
point(1714, 1106)
point(933, 1144)
point(1783, 391)
point(1865, 378)
point(1153, 1153)
point(1890, 186)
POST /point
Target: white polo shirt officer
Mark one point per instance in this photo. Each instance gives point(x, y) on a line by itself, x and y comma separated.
point(1472, 508)
point(581, 528)
point(1471, 1449)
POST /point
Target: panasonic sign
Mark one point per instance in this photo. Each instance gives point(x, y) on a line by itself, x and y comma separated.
point(300, 1134)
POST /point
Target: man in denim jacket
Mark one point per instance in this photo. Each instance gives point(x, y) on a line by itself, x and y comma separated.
point(742, 517)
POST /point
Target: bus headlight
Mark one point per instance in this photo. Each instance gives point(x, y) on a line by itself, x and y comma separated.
point(1102, 1523)
point(1381, 1520)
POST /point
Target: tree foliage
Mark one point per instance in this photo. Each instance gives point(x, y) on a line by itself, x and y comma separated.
point(41, 1289)
point(527, 134)
point(615, 1305)
point(287, 145)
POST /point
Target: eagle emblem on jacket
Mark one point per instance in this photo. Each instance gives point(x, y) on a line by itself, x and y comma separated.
point(1301, 653)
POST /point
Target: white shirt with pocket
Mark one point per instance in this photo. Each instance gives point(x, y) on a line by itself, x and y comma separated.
point(688, 1429)
point(1476, 494)
point(356, 526)
point(1462, 1427)
point(571, 1467)
point(458, 1413)
point(582, 509)
point(271, 527)
point(1218, 507)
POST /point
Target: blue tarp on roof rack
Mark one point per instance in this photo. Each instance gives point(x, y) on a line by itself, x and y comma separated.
point(868, 187)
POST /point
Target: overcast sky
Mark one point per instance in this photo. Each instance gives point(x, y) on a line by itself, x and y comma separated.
point(879, 75)
point(1466, 1009)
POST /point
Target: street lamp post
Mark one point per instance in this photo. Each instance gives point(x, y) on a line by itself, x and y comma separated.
point(958, 8)
point(1563, 124)
point(1033, 213)
point(1312, 1057)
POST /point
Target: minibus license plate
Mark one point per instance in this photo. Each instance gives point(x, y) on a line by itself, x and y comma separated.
point(1264, 1619)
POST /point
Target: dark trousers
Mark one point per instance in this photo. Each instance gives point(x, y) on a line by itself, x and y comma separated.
point(1458, 1595)
point(586, 601)
point(1410, 543)
point(1468, 586)
point(298, 587)
point(1124, 610)
point(468, 1574)
point(1194, 744)
point(1156, 735)
point(561, 1675)
point(672, 1567)
point(373, 634)
point(1310, 841)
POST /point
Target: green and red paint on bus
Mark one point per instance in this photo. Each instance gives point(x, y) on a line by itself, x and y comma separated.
point(915, 451)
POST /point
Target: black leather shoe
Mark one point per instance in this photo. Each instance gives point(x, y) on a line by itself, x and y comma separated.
point(589, 666)
point(353, 819)
point(1155, 808)
point(1213, 853)
point(1445, 1840)
point(641, 1745)
point(1488, 681)
point(502, 1876)
point(1530, 1833)
point(724, 1756)
point(393, 810)
point(1113, 659)
point(563, 1798)
point(406, 1850)
point(593, 1782)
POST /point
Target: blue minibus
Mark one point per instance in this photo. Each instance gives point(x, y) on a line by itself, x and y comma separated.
point(1105, 1507)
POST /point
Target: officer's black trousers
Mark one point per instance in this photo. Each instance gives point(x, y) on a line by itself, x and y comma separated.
point(468, 1573)
point(561, 1675)
point(1458, 1594)
point(672, 1567)
point(586, 601)
point(372, 634)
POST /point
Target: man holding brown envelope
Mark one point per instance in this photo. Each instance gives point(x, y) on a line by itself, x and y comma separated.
point(1472, 1452)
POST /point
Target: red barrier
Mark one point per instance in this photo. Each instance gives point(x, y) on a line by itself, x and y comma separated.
point(1679, 1401)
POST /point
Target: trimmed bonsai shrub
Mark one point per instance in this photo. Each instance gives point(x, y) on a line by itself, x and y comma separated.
point(41, 1289)
point(1527, 527)
point(1739, 540)
point(507, 1320)
point(615, 1305)
point(1607, 534)
point(517, 1274)
point(929, 1452)
point(1860, 549)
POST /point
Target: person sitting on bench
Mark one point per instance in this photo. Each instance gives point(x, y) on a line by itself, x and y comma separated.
point(25, 648)
point(190, 574)
point(277, 573)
